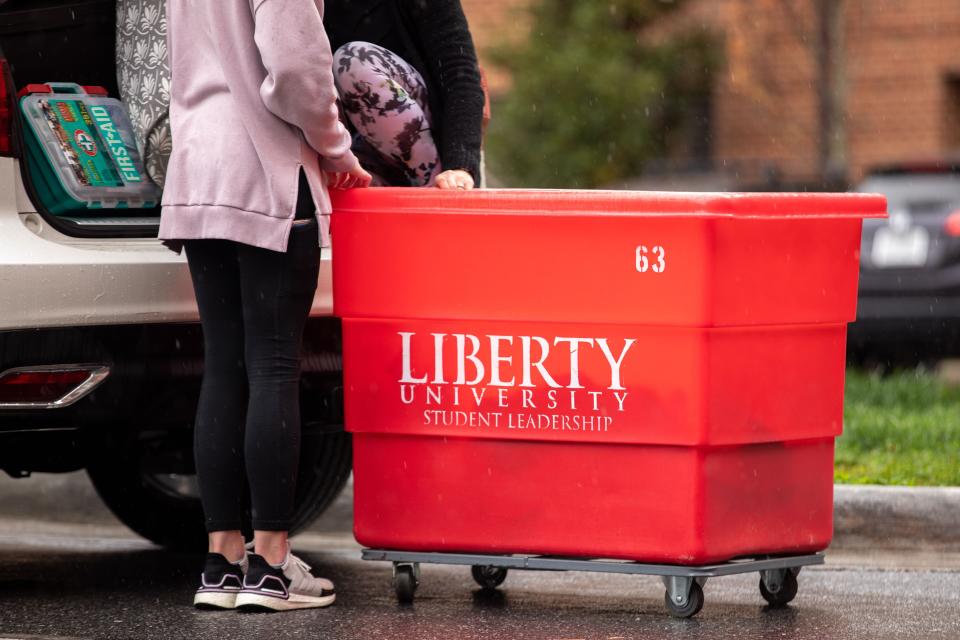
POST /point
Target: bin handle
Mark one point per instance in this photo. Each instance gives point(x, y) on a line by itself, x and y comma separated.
point(65, 87)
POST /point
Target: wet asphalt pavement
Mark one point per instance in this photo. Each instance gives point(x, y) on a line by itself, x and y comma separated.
point(89, 578)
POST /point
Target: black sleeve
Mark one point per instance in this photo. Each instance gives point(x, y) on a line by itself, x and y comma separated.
point(444, 38)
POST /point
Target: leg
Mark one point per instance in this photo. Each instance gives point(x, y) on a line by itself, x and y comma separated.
point(277, 292)
point(386, 101)
point(218, 433)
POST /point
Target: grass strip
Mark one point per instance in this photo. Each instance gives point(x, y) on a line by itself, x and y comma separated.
point(899, 429)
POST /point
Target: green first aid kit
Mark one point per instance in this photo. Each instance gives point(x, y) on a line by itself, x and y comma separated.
point(82, 151)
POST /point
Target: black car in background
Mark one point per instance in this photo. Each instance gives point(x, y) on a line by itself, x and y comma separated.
point(909, 306)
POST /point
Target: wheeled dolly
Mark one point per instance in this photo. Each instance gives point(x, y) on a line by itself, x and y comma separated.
point(684, 585)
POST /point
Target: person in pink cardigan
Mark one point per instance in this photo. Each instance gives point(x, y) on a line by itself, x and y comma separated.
point(257, 141)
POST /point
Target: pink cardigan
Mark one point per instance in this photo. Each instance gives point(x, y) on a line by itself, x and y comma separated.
point(252, 101)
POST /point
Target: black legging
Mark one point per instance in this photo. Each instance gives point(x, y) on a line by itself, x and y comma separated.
point(254, 304)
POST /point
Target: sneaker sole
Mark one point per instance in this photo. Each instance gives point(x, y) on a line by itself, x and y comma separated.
point(258, 602)
point(215, 601)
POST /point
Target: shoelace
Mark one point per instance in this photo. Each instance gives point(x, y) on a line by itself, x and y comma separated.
point(300, 563)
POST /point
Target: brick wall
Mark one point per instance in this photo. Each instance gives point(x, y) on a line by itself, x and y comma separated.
point(493, 22)
point(765, 109)
point(895, 63)
point(896, 60)
point(900, 56)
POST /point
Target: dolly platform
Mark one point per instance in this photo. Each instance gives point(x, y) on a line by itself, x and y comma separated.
point(684, 585)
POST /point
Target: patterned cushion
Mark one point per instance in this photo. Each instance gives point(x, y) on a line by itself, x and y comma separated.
point(143, 73)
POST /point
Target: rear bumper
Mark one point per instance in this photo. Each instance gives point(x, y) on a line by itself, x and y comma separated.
point(908, 308)
point(925, 319)
point(153, 386)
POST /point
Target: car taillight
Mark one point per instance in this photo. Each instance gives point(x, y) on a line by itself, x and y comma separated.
point(952, 225)
point(48, 386)
point(6, 110)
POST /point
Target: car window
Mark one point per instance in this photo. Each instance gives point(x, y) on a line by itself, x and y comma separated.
point(917, 194)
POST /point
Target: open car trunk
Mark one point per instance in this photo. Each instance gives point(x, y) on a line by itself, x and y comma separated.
point(68, 41)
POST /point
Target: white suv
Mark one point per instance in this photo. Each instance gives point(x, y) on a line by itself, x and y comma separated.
point(100, 346)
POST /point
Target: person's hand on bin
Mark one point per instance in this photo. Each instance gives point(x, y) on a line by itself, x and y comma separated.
point(355, 178)
point(455, 179)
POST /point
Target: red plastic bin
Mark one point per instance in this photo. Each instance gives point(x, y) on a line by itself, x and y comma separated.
point(647, 376)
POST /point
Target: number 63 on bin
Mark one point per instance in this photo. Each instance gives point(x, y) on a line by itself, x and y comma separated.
point(656, 256)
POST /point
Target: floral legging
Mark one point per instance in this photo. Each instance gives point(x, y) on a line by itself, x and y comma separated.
point(385, 99)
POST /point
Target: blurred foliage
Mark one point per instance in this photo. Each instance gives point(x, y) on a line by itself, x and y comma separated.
point(592, 100)
point(902, 429)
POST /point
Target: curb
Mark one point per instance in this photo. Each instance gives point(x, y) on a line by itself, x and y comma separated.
point(870, 515)
point(865, 516)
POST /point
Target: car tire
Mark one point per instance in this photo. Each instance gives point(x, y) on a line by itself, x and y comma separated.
point(170, 515)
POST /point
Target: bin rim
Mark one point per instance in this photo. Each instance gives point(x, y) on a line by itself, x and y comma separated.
point(538, 202)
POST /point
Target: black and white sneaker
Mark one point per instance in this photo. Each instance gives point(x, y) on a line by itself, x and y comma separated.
point(284, 588)
point(220, 583)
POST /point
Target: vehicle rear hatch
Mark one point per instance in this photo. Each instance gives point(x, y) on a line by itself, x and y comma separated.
point(67, 41)
point(917, 249)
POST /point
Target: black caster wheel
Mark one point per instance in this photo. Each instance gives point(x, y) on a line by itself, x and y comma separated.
point(405, 583)
point(488, 577)
point(786, 593)
point(693, 606)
